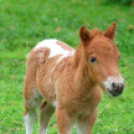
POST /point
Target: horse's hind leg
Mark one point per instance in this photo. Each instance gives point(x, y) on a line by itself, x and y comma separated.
point(46, 112)
point(31, 103)
point(32, 99)
point(29, 119)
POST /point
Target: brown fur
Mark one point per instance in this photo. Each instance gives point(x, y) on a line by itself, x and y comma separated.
point(75, 83)
point(64, 45)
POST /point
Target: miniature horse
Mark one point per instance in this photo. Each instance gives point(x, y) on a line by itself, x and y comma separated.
point(71, 80)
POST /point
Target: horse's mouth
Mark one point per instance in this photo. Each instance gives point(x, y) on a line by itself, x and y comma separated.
point(113, 93)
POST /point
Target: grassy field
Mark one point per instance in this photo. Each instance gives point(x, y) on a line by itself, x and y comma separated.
point(24, 23)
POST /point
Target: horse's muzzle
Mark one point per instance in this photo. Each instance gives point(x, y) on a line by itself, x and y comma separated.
point(117, 89)
point(114, 85)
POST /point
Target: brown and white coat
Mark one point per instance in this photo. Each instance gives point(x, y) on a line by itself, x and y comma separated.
point(71, 80)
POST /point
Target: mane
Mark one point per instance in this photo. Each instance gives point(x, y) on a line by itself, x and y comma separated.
point(96, 32)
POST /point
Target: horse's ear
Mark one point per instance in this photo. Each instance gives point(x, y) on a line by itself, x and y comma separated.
point(110, 32)
point(84, 34)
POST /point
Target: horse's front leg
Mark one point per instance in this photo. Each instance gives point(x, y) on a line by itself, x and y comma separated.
point(86, 123)
point(64, 121)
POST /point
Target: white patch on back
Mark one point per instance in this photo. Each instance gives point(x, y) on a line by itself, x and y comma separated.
point(55, 49)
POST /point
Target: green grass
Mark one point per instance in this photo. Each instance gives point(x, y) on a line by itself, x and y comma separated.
point(24, 23)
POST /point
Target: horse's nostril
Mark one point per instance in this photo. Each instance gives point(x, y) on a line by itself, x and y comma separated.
point(117, 87)
point(121, 87)
point(114, 85)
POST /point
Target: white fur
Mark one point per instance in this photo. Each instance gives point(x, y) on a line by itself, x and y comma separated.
point(30, 117)
point(29, 120)
point(49, 80)
point(82, 128)
point(57, 63)
point(55, 104)
point(44, 131)
point(55, 49)
point(110, 80)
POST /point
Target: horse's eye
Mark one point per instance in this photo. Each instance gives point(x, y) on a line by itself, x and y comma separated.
point(92, 59)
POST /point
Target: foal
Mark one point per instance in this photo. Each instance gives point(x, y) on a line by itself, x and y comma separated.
point(71, 80)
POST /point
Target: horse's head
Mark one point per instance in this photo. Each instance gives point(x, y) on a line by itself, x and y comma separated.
point(102, 58)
